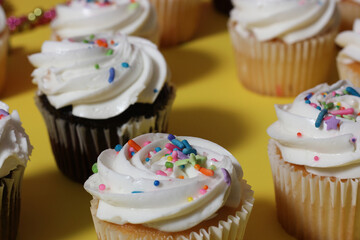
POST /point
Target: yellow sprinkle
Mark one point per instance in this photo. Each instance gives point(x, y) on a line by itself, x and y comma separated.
point(37, 12)
point(338, 104)
point(169, 158)
point(190, 199)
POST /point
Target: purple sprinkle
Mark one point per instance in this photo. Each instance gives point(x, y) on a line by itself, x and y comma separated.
point(181, 155)
point(171, 137)
point(353, 140)
point(3, 112)
point(227, 177)
point(111, 75)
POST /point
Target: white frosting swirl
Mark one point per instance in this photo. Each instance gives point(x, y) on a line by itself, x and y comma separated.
point(165, 207)
point(15, 147)
point(289, 20)
point(332, 149)
point(2, 19)
point(80, 18)
point(350, 42)
point(66, 73)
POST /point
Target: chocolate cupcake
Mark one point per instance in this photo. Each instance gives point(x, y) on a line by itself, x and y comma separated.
point(98, 92)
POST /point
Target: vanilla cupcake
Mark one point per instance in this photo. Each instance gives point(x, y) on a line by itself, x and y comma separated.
point(348, 59)
point(97, 93)
point(15, 150)
point(4, 36)
point(178, 20)
point(349, 10)
point(159, 186)
point(280, 44)
point(81, 18)
point(314, 153)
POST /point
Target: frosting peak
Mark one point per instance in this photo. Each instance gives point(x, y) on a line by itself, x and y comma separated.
point(350, 41)
point(164, 184)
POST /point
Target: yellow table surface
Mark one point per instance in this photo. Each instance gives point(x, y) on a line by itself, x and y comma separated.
point(210, 103)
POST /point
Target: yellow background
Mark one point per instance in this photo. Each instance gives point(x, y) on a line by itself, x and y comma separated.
point(210, 103)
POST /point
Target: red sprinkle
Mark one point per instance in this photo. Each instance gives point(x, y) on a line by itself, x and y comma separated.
point(299, 134)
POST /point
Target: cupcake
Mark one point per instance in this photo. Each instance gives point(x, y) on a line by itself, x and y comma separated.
point(314, 153)
point(223, 6)
point(81, 18)
point(348, 59)
point(280, 44)
point(159, 186)
point(4, 36)
point(349, 10)
point(96, 93)
point(15, 150)
point(178, 20)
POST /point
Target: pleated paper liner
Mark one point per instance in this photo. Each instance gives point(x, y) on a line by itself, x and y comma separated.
point(178, 20)
point(77, 142)
point(349, 72)
point(349, 11)
point(229, 224)
point(10, 203)
point(314, 207)
point(4, 37)
point(278, 69)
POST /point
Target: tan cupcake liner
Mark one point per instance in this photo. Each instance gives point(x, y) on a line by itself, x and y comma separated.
point(345, 72)
point(232, 229)
point(349, 11)
point(10, 186)
point(279, 69)
point(178, 20)
point(4, 36)
point(314, 207)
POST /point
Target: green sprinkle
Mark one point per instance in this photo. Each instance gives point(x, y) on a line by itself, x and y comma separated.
point(202, 159)
point(345, 92)
point(337, 107)
point(213, 167)
point(94, 168)
point(348, 117)
point(192, 159)
point(92, 36)
point(338, 115)
point(133, 5)
point(85, 41)
point(181, 162)
point(169, 165)
point(97, 66)
point(109, 52)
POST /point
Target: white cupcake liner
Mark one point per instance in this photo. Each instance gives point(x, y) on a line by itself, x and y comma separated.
point(345, 72)
point(314, 207)
point(349, 11)
point(279, 69)
point(232, 229)
point(76, 146)
point(178, 20)
point(10, 186)
point(4, 37)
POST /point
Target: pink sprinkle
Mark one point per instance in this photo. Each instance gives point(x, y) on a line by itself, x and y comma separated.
point(174, 155)
point(333, 93)
point(102, 187)
point(316, 158)
point(170, 146)
point(343, 112)
point(169, 152)
point(214, 159)
point(159, 172)
point(313, 105)
point(328, 117)
point(202, 191)
point(146, 143)
point(131, 149)
point(169, 169)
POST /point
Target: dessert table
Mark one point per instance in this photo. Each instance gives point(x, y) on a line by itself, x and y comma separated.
point(210, 103)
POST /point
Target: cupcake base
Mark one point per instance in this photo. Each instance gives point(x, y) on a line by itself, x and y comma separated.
point(77, 142)
point(349, 72)
point(314, 207)
point(229, 224)
point(279, 69)
point(10, 186)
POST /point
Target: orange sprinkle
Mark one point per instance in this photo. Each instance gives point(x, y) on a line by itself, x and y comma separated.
point(181, 177)
point(112, 42)
point(207, 172)
point(134, 145)
point(101, 43)
point(197, 166)
point(205, 187)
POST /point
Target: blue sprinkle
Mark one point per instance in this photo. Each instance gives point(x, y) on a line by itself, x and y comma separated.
point(182, 166)
point(125, 65)
point(320, 118)
point(186, 143)
point(189, 150)
point(309, 96)
point(156, 183)
point(118, 148)
point(171, 137)
point(111, 75)
point(307, 101)
point(147, 159)
point(178, 143)
point(352, 91)
point(155, 90)
point(157, 149)
point(132, 153)
point(318, 107)
point(137, 191)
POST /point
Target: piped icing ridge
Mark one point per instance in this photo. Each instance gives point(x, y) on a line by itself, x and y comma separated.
point(79, 18)
point(287, 20)
point(350, 42)
point(164, 182)
point(99, 76)
point(320, 130)
point(15, 147)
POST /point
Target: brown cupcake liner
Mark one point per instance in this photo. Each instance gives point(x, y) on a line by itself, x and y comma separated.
point(349, 11)
point(178, 20)
point(279, 69)
point(231, 229)
point(345, 72)
point(4, 36)
point(76, 146)
point(10, 186)
point(314, 207)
